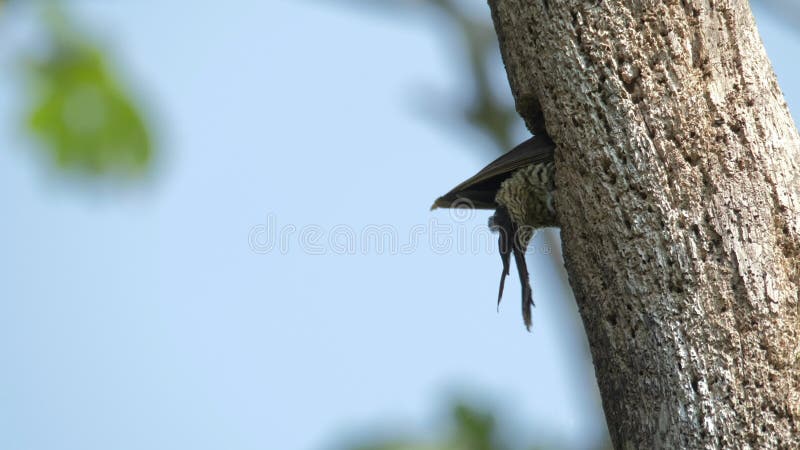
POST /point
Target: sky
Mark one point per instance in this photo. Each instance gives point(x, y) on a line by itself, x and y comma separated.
point(158, 316)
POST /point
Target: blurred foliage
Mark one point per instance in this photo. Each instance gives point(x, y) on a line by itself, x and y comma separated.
point(472, 429)
point(469, 428)
point(79, 110)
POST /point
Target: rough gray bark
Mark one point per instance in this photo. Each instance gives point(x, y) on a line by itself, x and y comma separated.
point(677, 167)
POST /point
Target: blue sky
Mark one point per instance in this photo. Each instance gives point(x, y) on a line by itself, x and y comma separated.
point(141, 317)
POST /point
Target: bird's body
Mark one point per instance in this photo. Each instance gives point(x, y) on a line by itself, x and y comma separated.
point(519, 186)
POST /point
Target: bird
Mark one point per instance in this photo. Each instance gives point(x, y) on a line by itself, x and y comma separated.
point(519, 186)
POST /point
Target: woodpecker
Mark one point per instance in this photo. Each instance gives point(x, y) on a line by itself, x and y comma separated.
point(519, 187)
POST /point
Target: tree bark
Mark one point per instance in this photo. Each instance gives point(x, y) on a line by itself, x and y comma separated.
point(677, 171)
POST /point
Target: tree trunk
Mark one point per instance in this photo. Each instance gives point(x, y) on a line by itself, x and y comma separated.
point(677, 170)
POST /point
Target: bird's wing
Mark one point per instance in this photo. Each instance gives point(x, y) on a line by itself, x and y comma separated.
point(479, 190)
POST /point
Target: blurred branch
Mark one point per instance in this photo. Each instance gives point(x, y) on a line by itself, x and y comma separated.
point(485, 112)
point(488, 111)
point(786, 10)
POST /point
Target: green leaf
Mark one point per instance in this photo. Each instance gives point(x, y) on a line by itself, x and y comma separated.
point(80, 111)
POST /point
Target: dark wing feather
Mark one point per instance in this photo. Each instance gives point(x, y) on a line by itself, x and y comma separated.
point(480, 189)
